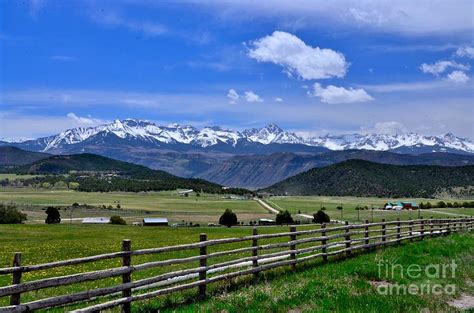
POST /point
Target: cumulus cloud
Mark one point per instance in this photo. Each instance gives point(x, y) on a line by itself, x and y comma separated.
point(441, 66)
point(84, 120)
point(251, 96)
point(465, 51)
point(333, 94)
point(233, 96)
point(298, 58)
point(458, 77)
point(278, 99)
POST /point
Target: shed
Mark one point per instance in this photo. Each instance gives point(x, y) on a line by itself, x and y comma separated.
point(96, 220)
point(158, 221)
point(266, 221)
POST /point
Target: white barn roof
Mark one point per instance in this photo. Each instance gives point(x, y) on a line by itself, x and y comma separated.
point(156, 220)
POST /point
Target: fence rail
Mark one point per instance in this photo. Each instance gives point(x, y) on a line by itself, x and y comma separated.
point(302, 246)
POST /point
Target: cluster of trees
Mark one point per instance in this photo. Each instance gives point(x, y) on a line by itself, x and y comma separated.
point(442, 204)
point(9, 214)
point(117, 220)
point(284, 217)
point(228, 219)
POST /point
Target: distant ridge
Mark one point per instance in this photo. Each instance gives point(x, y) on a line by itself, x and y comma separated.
point(15, 156)
point(364, 178)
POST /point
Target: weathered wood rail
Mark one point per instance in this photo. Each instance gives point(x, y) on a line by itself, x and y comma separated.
point(302, 246)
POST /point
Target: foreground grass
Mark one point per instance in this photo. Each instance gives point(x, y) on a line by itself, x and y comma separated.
point(341, 286)
point(309, 205)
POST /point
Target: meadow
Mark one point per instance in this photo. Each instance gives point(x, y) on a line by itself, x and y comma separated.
point(348, 285)
point(311, 204)
point(133, 206)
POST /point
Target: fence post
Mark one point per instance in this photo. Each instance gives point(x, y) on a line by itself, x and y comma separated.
point(366, 235)
point(448, 226)
point(293, 247)
point(432, 226)
point(440, 226)
point(398, 231)
point(126, 278)
point(202, 263)
point(255, 251)
point(383, 230)
point(348, 240)
point(16, 279)
point(324, 242)
point(410, 231)
point(422, 228)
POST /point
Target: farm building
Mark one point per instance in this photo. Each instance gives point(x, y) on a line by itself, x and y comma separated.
point(160, 221)
point(185, 192)
point(96, 220)
point(400, 205)
point(266, 221)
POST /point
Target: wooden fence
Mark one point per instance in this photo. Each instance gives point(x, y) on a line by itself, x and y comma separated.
point(293, 247)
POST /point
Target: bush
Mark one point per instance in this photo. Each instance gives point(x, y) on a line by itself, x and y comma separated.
point(284, 218)
point(53, 215)
point(228, 218)
point(9, 214)
point(117, 220)
point(75, 204)
point(321, 217)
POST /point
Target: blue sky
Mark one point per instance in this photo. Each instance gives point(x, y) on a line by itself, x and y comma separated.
point(314, 67)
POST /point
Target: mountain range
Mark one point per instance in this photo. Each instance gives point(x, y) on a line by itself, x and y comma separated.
point(149, 134)
point(252, 158)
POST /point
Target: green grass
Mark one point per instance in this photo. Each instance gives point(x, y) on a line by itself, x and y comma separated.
point(206, 208)
point(341, 286)
point(48, 243)
point(309, 205)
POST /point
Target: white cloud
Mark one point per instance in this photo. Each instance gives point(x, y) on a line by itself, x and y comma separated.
point(250, 96)
point(465, 51)
point(84, 120)
point(333, 94)
point(458, 77)
point(233, 96)
point(145, 27)
point(278, 99)
point(441, 66)
point(297, 58)
point(399, 17)
point(390, 127)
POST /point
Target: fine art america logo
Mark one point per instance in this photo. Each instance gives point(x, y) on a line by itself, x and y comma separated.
point(430, 274)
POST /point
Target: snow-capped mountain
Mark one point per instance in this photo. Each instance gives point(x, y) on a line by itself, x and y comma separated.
point(145, 133)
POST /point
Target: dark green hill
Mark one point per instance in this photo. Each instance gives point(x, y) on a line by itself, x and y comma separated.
point(364, 178)
point(15, 156)
point(98, 173)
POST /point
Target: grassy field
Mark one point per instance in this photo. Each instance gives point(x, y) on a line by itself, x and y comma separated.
point(134, 206)
point(345, 286)
point(309, 205)
point(340, 286)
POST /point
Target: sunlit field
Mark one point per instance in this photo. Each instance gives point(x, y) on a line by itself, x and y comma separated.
point(309, 205)
point(133, 206)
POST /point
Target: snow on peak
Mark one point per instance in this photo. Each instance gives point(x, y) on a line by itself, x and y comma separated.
point(141, 130)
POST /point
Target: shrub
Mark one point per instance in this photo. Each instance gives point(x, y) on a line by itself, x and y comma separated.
point(9, 214)
point(228, 218)
point(321, 217)
point(117, 220)
point(284, 218)
point(53, 215)
point(75, 204)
